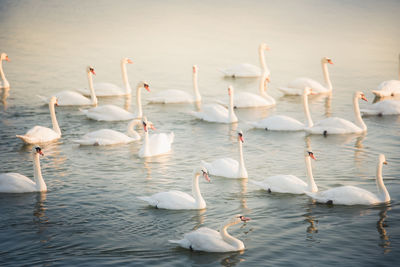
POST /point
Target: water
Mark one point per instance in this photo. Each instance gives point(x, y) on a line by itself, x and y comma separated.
point(90, 215)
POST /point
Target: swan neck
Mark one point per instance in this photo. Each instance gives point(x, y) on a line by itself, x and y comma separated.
point(307, 111)
point(3, 76)
point(196, 88)
point(383, 194)
point(359, 121)
point(196, 190)
point(131, 129)
point(91, 88)
point(146, 151)
point(139, 112)
point(125, 78)
point(56, 128)
point(311, 185)
point(231, 112)
point(37, 176)
point(326, 75)
point(234, 242)
point(399, 66)
point(242, 168)
point(262, 59)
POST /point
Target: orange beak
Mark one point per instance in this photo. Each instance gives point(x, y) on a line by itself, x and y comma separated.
point(330, 61)
point(364, 98)
point(7, 59)
point(129, 61)
point(93, 72)
point(146, 86)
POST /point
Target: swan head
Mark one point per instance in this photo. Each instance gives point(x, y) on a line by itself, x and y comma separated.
point(195, 69)
point(147, 124)
point(204, 172)
point(237, 219)
point(38, 150)
point(126, 60)
point(360, 95)
point(311, 155)
point(90, 69)
point(144, 85)
point(327, 60)
point(230, 90)
point(4, 56)
point(240, 137)
point(264, 46)
point(53, 101)
point(382, 159)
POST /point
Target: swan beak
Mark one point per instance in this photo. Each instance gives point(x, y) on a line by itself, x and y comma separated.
point(41, 153)
point(330, 61)
point(268, 79)
point(241, 139)
point(364, 98)
point(244, 219)
point(56, 103)
point(7, 59)
point(152, 127)
point(205, 175)
point(93, 72)
point(129, 61)
point(385, 162)
point(313, 157)
point(146, 86)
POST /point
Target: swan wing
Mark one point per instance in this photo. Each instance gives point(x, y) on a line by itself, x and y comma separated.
point(71, 98)
point(213, 113)
point(334, 125)
point(109, 113)
point(16, 183)
point(39, 134)
point(301, 83)
point(249, 100)
point(171, 96)
point(224, 167)
point(104, 89)
point(279, 123)
point(283, 184)
point(243, 70)
point(104, 137)
point(160, 143)
point(346, 195)
point(173, 200)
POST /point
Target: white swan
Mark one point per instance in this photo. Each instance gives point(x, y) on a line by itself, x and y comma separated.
point(351, 195)
point(289, 183)
point(388, 88)
point(114, 113)
point(296, 86)
point(178, 96)
point(178, 200)
point(110, 137)
point(156, 144)
point(4, 83)
point(227, 167)
point(385, 107)
point(248, 70)
point(72, 98)
point(18, 183)
point(109, 89)
point(218, 113)
point(335, 125)
point(40, 134)
point(282, 122)
point(208, 240)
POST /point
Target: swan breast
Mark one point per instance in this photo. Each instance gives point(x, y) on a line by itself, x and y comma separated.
point(16, 183)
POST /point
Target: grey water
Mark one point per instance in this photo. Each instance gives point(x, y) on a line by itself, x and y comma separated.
point(90, 215)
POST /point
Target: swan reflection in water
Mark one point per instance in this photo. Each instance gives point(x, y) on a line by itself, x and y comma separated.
point(39, 212)
point(380, 226)
point(312, 228)
point(128, 100)
point(5, 92)
point(198, 218)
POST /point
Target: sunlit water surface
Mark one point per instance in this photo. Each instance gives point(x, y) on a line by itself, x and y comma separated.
point(91, 216)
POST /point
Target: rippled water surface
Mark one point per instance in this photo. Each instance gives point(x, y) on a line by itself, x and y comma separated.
point(91, 216)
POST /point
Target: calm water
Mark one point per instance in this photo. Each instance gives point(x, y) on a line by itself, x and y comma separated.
point(91, 216)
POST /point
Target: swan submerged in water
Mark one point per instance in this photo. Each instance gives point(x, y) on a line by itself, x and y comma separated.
point(352, 195)
point(4, 83)
point(40, 134)
point(177, 200)
point(18, 183)
point(388, 88)
point(208, 240)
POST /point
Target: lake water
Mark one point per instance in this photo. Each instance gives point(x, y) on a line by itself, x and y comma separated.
point(90, 216)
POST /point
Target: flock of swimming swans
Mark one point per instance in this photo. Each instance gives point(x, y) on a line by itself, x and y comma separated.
point(205, 239)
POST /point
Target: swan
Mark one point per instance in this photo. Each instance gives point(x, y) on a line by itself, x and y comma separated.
point(110, 137)
point(18, 183)
point(178, 96)
point(388, 88)
point(296, 86)
point(385, 107)
point(335, 125)
point(156, 144)
point(227, 167)
point(40, 134)
point(218, 113)
point(109, 89)
point(248, 70)
point(114, 113)
point(282, 122)
point(4, 83)
point(351, 195)
point(208, 240)
point(289, 183)
point(71, 98)
point(177, 200)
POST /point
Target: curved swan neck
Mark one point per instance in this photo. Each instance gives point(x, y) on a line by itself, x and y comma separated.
point(262, 58)
point(197, 96)
point(196, 190)
point(311, 186)
point(37, 176)
point(91, 88)
point(131, 127)
point(139, 112)
point(146, 151)
point(307, 111)
point(359, 121)
point(382, 191)
point(3, 76)
point(326, 75)
point(242, 168)
point(56, 128)
point(128, 89)
point(236, 243)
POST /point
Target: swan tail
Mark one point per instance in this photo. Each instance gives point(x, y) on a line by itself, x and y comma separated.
point(152, 202)
point(84, 111)
point(43, 98)
point(316, 197)
point(289, 91)
point(380, 93)
point(24, 138)
point(369, 112)
point(85, 142)
point(260, 184)
point(183, 243)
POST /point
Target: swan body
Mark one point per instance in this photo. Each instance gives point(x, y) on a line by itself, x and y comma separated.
point(39, 134)
point(334, 125)
point(177, 200)
point(178, 96)
point(388, 88)
point(156, 144)
point(227, 167)
point(110, 137)
point(209, 240)
point(351, 195)
point(296, 86)
point(72, 98)
point(114, 113)
point(385, 107)
point(109, 89)
point(289, 183)
point(18, 183)
point(218, 113)
point(3, 83)
point(248, 70)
